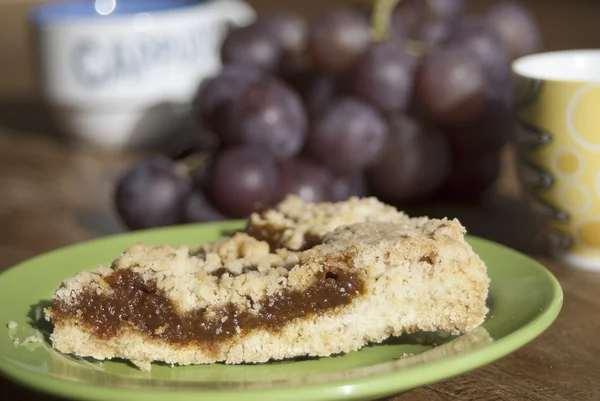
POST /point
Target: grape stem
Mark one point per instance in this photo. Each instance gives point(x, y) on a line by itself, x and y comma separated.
point(381, 18)
point(414, 47)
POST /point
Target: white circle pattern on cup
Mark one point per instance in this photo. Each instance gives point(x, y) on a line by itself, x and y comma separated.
point(597, 184)
point(563, 153)
point(585, 232)
point(574, 197)
point(595, 147)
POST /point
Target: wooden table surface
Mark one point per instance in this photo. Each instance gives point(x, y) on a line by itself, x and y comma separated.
point(54, 194)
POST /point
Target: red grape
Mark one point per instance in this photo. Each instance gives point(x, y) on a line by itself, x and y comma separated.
point(408, 16)
point(216, 94)
point(446, 9)
point(337, 38)
point(383, 76)
point(516, 26)
point(196, 208)
point(241, 179)
point(305, 178)
point(252, 46)
point(414, 18)
point(317, 90)
point(320, 93)
point(151, 194)
point(428, 33)
point(483, 42)
point(270, 115)
point(291, 30)
point(348, 185)
point(397, 28)
point(347, 136)
point(450, 86)
point(414, 163)
point(432, 33)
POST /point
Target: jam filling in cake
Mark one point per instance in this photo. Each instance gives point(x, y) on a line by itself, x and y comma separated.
point(135, 302)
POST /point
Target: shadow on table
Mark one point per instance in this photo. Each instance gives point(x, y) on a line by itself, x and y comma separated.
point(13, 391)
point(28, 116)
point(501, 219)
point(37, 319)
point(498, 218)
point(176, 133)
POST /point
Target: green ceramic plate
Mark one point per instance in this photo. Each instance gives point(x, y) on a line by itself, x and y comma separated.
point(525, 299)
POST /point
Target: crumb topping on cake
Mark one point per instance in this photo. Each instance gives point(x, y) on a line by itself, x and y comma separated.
point(296, 225)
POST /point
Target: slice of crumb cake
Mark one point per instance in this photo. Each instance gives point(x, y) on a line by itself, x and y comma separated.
point(238, 300)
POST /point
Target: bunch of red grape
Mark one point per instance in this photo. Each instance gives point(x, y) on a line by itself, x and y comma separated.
point(326, 111)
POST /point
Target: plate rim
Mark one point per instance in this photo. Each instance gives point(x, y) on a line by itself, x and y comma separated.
point(372, 386)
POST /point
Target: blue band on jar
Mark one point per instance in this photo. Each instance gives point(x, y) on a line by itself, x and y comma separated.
point(86, 9)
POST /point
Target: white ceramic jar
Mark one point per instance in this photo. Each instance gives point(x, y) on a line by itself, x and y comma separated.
point(117, 73)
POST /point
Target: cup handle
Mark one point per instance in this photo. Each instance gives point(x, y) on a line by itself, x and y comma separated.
point(235, 12)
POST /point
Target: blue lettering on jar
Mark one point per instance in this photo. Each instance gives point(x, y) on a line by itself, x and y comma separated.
point(97, 64)
point(84, 74)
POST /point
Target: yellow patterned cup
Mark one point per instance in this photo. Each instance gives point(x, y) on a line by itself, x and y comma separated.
point(558, 146)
